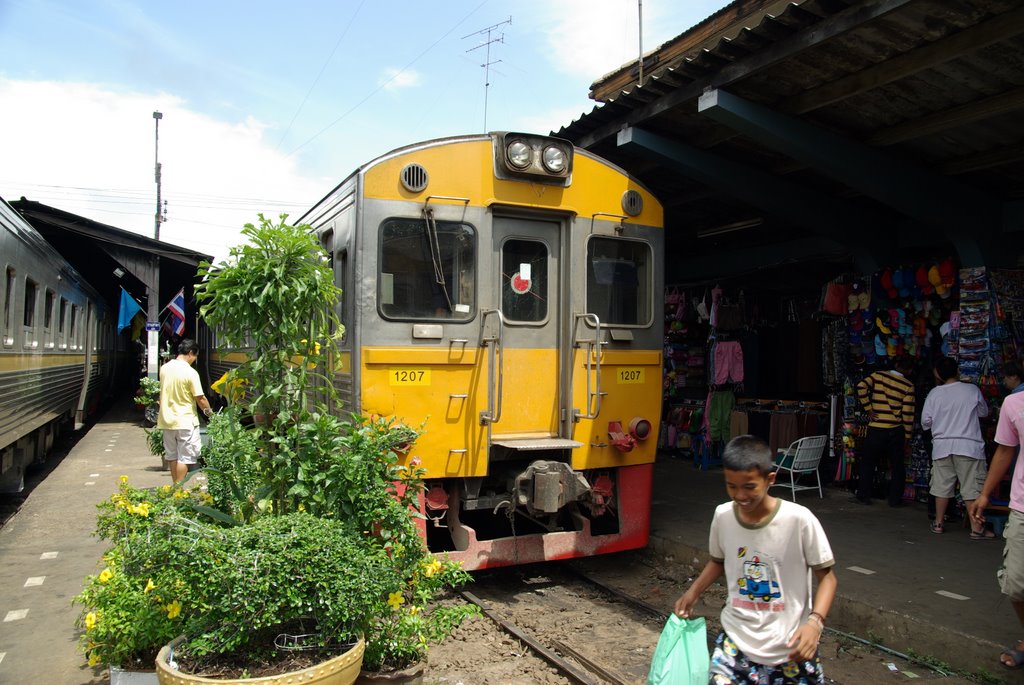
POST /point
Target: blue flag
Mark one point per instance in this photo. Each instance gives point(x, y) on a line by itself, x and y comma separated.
point(129, 308)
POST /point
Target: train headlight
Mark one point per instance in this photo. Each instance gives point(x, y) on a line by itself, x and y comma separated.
point(519, 154)
point(554, 159)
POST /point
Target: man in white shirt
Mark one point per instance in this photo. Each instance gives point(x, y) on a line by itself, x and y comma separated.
point(180, 391)
point(951, 411)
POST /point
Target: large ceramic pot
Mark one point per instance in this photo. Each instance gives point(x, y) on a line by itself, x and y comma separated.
point(340, 670)
point(408, 676)
point(120, 676)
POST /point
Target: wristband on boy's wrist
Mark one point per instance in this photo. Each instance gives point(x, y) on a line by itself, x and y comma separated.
point(817, 618)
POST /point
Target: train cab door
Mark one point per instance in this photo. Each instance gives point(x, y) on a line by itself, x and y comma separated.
point(527, 387)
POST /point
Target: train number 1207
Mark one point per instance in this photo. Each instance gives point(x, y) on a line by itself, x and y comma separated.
point(409, 377)
point(629, 376)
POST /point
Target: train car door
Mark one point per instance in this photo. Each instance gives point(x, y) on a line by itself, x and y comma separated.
point(527, 287)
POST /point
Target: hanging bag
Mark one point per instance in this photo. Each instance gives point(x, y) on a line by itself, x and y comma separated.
point(681, 657)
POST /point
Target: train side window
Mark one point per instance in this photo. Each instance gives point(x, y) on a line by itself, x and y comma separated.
point(524, 280)
point(49, 302)
point(30, 339)
point(73, 328)
point(427, 270)
point(9, 307)
point(619, 281)
point(62, 318)
point(340, 271)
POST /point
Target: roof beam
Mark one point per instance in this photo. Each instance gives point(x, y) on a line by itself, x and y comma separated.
point(827, 29)
point(833, 219)
point(960, 115)
point(738, 262)
point(996, 29)
point(932, 199)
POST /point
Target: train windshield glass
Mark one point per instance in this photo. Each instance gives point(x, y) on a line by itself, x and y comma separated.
point(427, 269)
point(619, 281)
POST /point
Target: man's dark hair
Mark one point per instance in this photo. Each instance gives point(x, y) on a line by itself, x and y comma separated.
point(905, 365)
point(1012, 368)
point(745, 452)
point(188, 346)
point(947, 368)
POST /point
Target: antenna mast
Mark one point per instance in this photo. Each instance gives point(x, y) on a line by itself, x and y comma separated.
point(487, 60)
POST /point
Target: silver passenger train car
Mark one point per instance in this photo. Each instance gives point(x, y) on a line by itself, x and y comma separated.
point(56, 348)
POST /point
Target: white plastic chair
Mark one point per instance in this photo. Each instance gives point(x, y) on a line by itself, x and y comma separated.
point(803, 456)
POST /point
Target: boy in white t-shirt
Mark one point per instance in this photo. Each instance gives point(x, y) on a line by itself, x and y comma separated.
point(768, 549)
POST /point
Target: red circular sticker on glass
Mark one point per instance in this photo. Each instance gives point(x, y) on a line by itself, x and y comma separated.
point(519, 284)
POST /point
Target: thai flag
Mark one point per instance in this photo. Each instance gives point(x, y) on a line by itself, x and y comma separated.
point(177, 308)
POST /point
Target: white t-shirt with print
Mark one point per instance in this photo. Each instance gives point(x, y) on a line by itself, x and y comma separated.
point(768, 575)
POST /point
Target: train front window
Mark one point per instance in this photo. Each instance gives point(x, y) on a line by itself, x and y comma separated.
point(619, 279)
point(427, 269)
point(524, 280)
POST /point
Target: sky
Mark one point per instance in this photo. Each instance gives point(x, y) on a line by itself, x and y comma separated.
point(267, 106)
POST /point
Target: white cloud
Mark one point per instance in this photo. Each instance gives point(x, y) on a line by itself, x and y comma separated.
point(91, 150)
point(394, 79)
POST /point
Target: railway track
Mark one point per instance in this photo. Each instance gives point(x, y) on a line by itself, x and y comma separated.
point(589, 631)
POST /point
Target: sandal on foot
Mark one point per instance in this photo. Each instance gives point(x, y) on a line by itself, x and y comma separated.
point(937, 528)
point(983, 535)
point(1016, 657)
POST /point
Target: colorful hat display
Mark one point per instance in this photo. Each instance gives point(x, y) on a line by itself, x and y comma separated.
point(921, 277)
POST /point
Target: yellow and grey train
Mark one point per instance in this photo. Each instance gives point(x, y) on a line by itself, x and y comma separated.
point(56, 348)
point(499, 292)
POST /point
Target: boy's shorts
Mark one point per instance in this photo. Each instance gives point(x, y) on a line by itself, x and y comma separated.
point(182, 445)
point(730, 665)
point(948, 470)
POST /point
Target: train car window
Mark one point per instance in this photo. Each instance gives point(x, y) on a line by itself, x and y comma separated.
point(427, 270)
point(340, 271)
point(619, 281)
point(9, 308)
point(49, 301)
point(524, 280)
point(29, 313)
point(73, 328)
point(62, 323)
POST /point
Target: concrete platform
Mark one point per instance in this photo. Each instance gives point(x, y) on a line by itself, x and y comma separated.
point(912, 590)
point(900, 585)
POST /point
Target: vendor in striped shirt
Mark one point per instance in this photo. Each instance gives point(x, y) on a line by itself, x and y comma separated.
point(888, 398)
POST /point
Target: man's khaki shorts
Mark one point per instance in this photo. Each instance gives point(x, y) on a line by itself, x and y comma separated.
point(947, 471)
point(1011, 575)
point(183, 445)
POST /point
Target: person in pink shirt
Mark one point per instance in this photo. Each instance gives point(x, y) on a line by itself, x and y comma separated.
point(1011, 575)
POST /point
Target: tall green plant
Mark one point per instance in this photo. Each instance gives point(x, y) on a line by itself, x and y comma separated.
point(275, 294)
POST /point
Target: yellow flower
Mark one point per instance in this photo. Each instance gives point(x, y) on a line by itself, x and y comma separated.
point(413, 610)
point(395, 600)
point(173, 609)
point(124, 480)
point(165, 489)
point(94, 659)
point(90, 620)
point(150, 585)
point(180, 494)
point(105, 575)
point(432, 568)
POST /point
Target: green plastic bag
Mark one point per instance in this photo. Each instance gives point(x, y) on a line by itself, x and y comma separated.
point(681, 657)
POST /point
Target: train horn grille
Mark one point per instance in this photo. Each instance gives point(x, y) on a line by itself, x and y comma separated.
point(414, 178)
point(632, 202)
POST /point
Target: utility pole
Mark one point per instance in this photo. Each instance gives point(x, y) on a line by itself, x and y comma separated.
point(487, 60)
point(640, 33)
point(157, 116)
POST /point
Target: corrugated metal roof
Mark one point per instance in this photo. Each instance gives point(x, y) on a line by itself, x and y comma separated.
point(937, 84)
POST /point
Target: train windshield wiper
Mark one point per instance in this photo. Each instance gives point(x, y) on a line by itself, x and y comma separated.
point(435, 254)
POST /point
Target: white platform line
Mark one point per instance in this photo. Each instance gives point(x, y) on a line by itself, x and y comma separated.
point(2, 655)
point(951, 595)
point(94, 475)
point(108, 450)
point(860, 569)
point(49, 555)
point(35, 581)
point(15, 615)
point(90, 482)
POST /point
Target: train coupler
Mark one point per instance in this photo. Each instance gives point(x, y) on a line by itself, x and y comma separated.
point(544, 487)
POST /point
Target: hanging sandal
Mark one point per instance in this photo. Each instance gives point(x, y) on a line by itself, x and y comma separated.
point(983, 535)
point(937, 528)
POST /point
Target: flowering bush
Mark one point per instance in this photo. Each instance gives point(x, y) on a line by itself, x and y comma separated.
point(232, 590)
point(128, 615)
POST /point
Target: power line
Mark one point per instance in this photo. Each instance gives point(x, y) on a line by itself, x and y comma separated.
point(393, 77)
point(317, 79)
